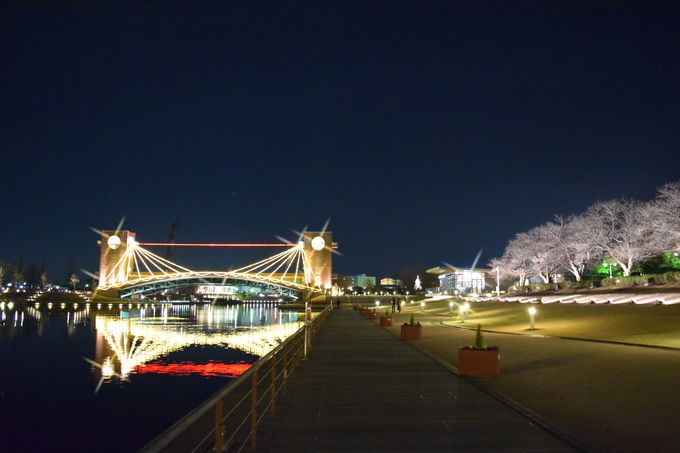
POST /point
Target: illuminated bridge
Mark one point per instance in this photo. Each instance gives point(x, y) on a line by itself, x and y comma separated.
point(127, 269)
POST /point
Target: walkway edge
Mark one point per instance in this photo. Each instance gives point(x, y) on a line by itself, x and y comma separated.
point(590, 340)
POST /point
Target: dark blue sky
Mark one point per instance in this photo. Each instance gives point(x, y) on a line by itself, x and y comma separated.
point(426, 130)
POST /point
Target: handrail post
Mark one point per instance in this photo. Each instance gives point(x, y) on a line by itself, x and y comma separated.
point(253, 413)
point(218, 426)
point(306, 346)
point(285, 371)
point(273, 394)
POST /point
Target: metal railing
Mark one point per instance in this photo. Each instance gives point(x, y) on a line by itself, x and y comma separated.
point(228, 420)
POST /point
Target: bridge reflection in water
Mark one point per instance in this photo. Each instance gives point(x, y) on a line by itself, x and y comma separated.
point(139, 341)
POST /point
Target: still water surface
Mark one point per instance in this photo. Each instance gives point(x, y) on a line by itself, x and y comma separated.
point(110, 379)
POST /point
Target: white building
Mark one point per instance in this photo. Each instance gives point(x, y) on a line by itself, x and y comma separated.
point(455, 280)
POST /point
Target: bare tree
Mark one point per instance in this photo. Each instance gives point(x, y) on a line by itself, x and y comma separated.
point(666, 211)
point(624, 230)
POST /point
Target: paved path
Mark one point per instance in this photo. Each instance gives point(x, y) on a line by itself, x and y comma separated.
point(608, 397)
point(363, 390)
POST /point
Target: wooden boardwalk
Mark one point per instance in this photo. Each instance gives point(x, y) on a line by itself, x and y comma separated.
point(363, 390)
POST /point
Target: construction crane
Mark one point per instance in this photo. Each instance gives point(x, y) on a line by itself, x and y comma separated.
point(171, 240)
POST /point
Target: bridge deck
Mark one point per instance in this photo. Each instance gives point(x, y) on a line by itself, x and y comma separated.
point(365, 390)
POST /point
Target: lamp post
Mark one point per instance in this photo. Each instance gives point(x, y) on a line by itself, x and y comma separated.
point(451, 308)
point(422, 306)
point(532, 322)
point(463, 309)
point(498, 281)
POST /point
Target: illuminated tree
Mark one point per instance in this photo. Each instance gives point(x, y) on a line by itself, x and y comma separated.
point(515, 261)
point(575, 250)
point(544, 257)
point(666, 210)
point(623, 230)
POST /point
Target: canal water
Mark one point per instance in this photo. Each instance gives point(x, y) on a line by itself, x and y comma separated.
point(109, 378)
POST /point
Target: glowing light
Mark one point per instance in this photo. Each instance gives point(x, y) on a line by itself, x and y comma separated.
point(136, 342)
point(532, 321)
point(211, 368)
point(113, 242)
point(149, 267)
point(318, 243)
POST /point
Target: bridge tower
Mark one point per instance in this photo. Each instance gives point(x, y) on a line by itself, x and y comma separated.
point(112, 246)
point(318, 246)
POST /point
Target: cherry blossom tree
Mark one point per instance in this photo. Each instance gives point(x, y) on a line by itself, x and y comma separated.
point(544, 257)
point(528, 254)
point(572, 245)
point(623, 230)
point(666, 211)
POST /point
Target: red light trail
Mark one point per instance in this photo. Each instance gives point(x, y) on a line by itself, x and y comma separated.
point(217, 245)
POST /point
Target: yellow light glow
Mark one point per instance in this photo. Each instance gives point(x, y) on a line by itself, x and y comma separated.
point(318, 243)
point(113, 242)
point(532, 310)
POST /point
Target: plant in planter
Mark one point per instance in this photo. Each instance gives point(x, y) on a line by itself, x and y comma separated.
point(411, 330)
point(479, 359)
point(385, 320)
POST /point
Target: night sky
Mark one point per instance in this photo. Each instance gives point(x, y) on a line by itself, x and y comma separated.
point(424, 130)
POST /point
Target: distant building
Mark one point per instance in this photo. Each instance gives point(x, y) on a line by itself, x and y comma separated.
point(390, 282)
point(363, 280)
point(454, 279)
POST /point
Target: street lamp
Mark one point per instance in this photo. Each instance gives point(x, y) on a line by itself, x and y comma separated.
point(422, 306)
point(532, 323)
point(463, 309)
point(451, 308)
point(610, 265)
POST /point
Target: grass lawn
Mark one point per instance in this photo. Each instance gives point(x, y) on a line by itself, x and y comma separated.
point(657, 325)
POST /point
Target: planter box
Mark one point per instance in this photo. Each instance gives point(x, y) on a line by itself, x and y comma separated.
point(479, 362)
point(385, 321)
point(372, 315)
point(409, 332)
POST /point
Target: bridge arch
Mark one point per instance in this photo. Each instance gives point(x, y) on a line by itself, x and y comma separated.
point(155, 285)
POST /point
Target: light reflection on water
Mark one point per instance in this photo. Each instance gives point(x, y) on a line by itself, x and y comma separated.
point(137, 355)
